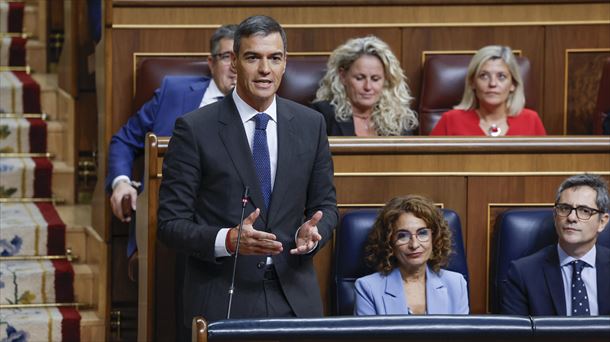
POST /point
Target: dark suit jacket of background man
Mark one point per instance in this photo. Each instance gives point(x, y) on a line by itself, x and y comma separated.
point(534, 284)
point(205, 169)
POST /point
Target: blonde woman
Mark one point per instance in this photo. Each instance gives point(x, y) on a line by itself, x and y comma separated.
point(493, 103)
point(364, 91)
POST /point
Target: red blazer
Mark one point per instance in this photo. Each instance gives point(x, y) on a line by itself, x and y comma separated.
point(462, 122)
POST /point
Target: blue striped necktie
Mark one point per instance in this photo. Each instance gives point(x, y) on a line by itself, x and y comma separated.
point(260, 154)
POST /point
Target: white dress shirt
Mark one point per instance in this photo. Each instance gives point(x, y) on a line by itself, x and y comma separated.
point(211, 95)
point(589, 276)
point(247, 114)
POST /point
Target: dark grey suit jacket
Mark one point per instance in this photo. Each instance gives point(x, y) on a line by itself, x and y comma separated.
point(205, 170)
point(534, 285)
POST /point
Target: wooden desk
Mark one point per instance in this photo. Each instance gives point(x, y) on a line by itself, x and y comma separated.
point(476, 177)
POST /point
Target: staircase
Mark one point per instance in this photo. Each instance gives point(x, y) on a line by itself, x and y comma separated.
point(85, 250)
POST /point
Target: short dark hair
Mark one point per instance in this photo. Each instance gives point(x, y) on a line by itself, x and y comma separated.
point(595, 182)
point(257, 25)
point(223, 32)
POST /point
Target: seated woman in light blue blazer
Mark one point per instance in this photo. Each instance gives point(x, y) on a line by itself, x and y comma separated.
point(408, 245)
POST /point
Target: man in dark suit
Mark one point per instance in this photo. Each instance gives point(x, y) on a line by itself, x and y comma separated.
point(176, 96)
point(573, 277)
point(279, 149)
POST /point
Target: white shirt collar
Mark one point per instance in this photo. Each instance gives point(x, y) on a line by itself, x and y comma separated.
point(211, 94)
point(246, 112)
point(565, 259)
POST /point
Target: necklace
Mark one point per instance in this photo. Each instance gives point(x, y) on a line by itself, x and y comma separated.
point(365, 120)
point(494, 130)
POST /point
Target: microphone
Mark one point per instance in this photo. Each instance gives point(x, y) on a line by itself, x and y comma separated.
point(244, 202)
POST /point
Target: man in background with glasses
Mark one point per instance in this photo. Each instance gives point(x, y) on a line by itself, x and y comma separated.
point(177, 95)
point(573, 277)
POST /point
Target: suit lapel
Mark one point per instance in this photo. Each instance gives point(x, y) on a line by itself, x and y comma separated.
point(192, 99)
point(394, 300)
point(554, 281)
point(437, 298)
point(232, 133)
point(602, 265)
point(286, 153)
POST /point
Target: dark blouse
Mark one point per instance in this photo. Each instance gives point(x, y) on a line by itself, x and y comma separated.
point(334, 127)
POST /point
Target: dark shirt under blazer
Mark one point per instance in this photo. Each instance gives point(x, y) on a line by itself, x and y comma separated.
point(338, 128)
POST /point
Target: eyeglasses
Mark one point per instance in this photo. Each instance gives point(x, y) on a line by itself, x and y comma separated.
point(582, 212)
point(403, 236)
point(224, 57)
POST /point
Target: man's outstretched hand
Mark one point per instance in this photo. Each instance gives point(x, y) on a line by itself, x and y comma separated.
point(255, 242)
point(308, 235)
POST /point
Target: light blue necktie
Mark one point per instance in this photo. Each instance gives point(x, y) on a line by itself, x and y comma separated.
point(260, 154)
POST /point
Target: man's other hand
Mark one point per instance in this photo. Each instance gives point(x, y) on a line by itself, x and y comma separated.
point(122, 190)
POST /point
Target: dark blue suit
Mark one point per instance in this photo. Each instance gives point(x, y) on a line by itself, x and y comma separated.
point(534, 285)
point(177, 95)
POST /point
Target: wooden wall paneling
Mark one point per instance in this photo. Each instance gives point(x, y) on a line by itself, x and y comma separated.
point(583, 74)
point(559, 39)
point(363, 12)
point(417, 40)
point(323, 265)
point(68, 63)
point(123, 292)
point(327, 39)
point(372, 190)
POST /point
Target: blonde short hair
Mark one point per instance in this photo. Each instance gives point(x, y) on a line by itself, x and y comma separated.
point(392, 115)
point(516, 99)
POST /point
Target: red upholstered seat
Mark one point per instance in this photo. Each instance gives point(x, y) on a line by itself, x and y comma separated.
point(300, 82)
point(152, 70)
point(302, 78)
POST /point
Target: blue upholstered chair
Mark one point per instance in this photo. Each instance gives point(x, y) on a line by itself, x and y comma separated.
point(349, 265)
point(520, 232)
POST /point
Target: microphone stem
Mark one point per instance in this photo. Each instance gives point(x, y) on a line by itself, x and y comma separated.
point(239, 229)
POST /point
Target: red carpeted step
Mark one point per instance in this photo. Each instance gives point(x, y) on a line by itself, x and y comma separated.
point(13, 51)
point(36, 282)
point(40, 324)
point(31, 229)
point(11, 17)
point(25, 177)
point(19, 93)
point(31, 92)
point(20, 135)
point(15, 16)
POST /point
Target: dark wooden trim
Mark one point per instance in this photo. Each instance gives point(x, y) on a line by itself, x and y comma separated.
point(311, 3)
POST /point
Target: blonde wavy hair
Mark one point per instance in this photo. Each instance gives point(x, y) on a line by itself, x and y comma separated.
point(516, 99)
point(392, 114)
